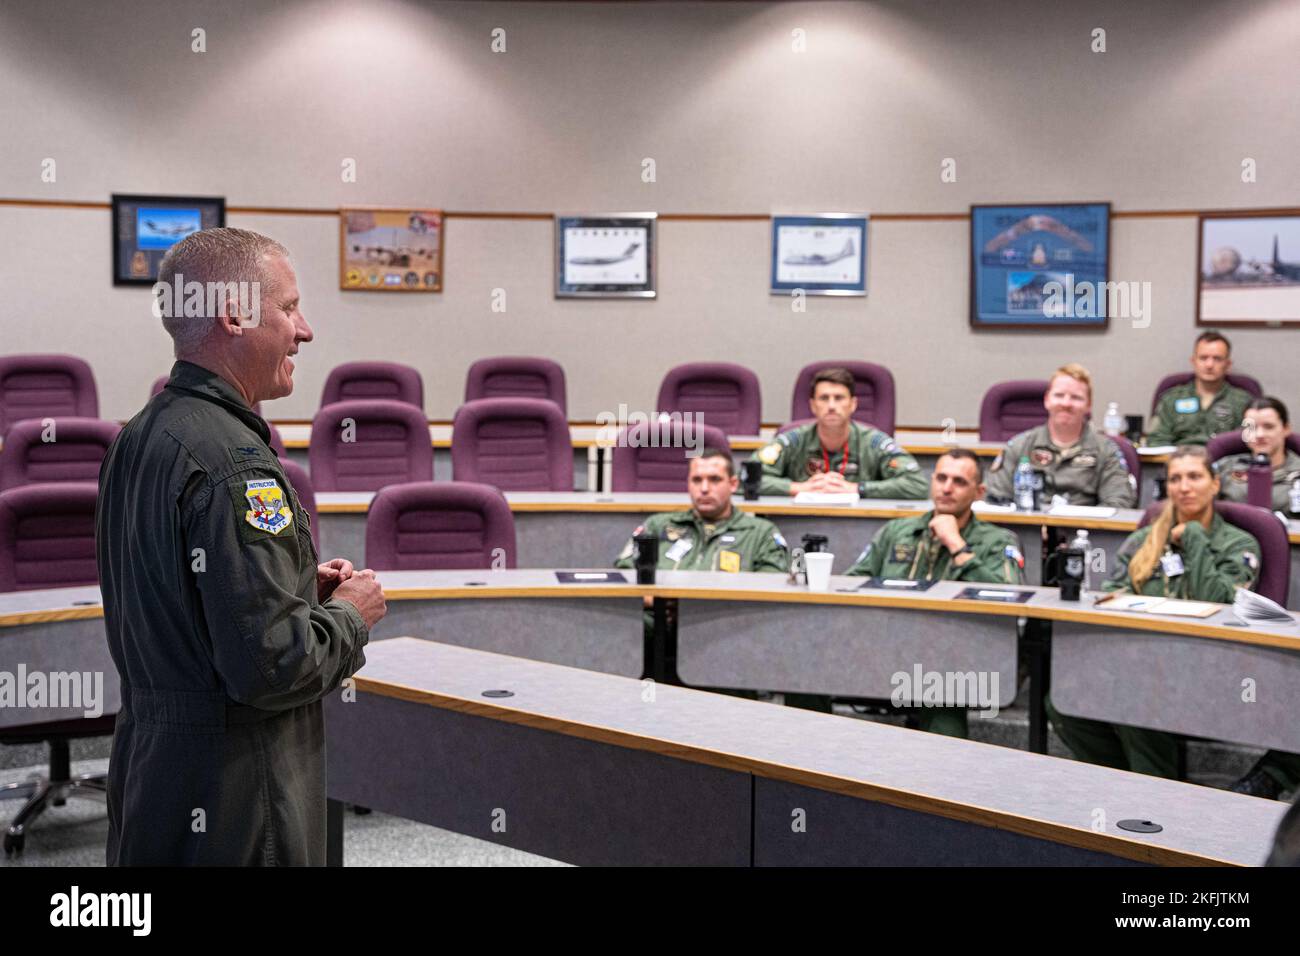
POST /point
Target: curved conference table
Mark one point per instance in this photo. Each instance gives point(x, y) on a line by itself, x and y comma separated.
point(760, 631)
point(587, 529)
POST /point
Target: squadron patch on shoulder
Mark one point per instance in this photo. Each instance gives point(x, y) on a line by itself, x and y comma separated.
point(267, 508)
point(776, 536)
point(1249, 559)
point(770, 453)
point(1012, 552)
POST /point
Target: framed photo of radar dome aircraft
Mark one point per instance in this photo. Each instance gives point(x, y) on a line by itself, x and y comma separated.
point(390, 250)
point(822, 255)
point(1040, 266)
point(145, 227)
point(606, 257)
point(1248, 268)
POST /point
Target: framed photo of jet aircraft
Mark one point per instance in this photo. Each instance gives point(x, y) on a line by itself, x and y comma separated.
point(822, 255)
point(605, 256)
point(145, 227)
point(1248, 268)
point(390, 250)
point(1040, 266)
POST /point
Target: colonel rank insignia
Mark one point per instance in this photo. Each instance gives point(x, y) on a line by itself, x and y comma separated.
point(267, 509)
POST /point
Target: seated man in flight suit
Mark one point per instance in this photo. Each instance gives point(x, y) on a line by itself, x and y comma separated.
point(947, 544)
point(835, 453)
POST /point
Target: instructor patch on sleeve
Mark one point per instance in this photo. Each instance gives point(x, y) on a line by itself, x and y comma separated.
point(267, 508)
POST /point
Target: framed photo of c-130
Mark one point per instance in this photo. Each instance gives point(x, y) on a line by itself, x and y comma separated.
point(1248, 268)
point(821, 255)
point(1040, 266)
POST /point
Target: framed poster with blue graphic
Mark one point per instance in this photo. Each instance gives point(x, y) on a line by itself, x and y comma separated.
point(1040, 266)
point(605, 257)
point(145, 227)
point(822, 255)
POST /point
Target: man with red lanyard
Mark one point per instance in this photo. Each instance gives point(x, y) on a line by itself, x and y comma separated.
point(837, 454)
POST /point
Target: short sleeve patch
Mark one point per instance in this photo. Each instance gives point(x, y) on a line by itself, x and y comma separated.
point(1249, 559)
point(770, 454)
point(268, 509)
point(1013, 553)
point(776, 536)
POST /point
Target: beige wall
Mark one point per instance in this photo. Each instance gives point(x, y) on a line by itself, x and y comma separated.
point(735, 121)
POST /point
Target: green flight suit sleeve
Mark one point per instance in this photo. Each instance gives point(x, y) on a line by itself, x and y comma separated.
point(1118, 486)
point(896, 475)
point(770, 554)
point(999, 479)
point(626, 560)
point(1163, 433)
point(775, 459)
point(997, 560)
point(1118, 578)
point(1214, 574)
point(274, 645)
point(872, 559)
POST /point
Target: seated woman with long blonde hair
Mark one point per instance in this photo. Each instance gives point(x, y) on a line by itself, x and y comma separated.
point(1187, 552)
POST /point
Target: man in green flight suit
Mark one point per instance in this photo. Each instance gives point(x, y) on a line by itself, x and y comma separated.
point(1193, 413)
point(1078, 463)
point(713, 535)
point(225, 630)
point(946, 544)
point(835, 453)
point(1187, 552)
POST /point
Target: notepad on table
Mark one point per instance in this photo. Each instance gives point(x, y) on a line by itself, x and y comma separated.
point(1158, 605)
point(826, 498)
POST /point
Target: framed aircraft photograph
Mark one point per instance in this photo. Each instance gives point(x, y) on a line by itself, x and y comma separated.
point(1248, 268)
point(1040, 266)
point(822, 255)
point(609, 256)
point(145, 227)
point(390, 250)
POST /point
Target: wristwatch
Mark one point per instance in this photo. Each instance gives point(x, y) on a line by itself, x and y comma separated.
point(967, 549)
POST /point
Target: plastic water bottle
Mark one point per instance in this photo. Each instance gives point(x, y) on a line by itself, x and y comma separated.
point(1023, 485)
point(1083, 545)
point(1295, 498)
point(1113, 423)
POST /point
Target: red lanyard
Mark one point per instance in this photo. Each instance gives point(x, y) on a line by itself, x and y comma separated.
point(826, 459)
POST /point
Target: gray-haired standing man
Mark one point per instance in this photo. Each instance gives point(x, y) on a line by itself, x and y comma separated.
point(225, 630)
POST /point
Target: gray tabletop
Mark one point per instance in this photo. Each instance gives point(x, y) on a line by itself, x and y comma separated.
point(987, 784)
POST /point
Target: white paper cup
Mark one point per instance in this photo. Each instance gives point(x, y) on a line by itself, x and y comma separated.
point(819, 564)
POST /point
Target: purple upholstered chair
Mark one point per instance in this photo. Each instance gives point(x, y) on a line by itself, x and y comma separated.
point(47, 540)
point(1231, 443)
point(74, 454)
point(354, 381)
point(727, 395)
point(439, 525)
point(517, 377)
point(1274, 548)
point(45, 386)
point(647, 468)
point(1182, 378)
point(1010, 408)
point(277, 443)
point(872, 384)
point(47, 536)
point(306, 492)
point(516, 444)
point(389, 445)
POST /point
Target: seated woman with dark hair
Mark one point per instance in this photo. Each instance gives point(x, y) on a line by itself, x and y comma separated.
point(1187, 552)
point(1264, 429)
